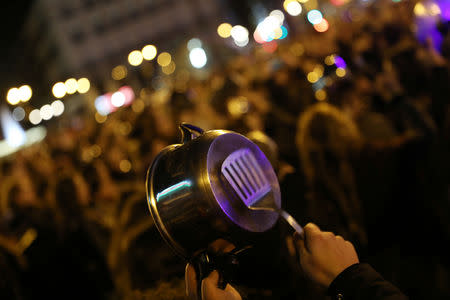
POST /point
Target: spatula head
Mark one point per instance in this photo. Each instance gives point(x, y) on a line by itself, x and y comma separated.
point(246, 177)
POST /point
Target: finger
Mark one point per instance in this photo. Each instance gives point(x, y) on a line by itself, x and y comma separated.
point(328, 235)
point(190, 279)
point(209, 287)
point(303, 250)
point(311, 227)
point(338, 237)
point(213, 278)
point(311, 230)
point(234, 295)
point(211, 291)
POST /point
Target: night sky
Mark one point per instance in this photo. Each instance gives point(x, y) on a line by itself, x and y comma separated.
point(12, 16)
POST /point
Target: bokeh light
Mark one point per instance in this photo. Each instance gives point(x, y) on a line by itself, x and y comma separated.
point(164, 59)
point(241, 43)
point(277, 14)
point(18, 113)
point(149, 52)
point(59, 90)
point(100, 118)
point(169, 69)
point(119, 72)
point(101, 105)
point(297, 49)
point(340, 72)
point(340, 2)
point(238, 106)
point(284, 32)
point(25, 93)
point(128, 92)
point(83, 85)
point(322, 26)
point(292, 7)
point(198, 58)
point(117, 99)
point(35, 117)
point(270, 47)
point(13, 96)
point(46, 112)
point(138, 106)
point(318, 69)
point(135, 58)
point(314, 16)
point(312, 77)
point(239, 34)
point(340, 62)
point(224, 30)
point(194, 43)
point(58, 108)
point(125, 165)
point(329, 60)
point(71, 85)
point(320, 95)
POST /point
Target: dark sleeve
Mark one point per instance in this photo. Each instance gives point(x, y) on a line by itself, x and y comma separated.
point(361, 281)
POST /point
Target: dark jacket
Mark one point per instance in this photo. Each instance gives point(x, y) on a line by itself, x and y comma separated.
point(361, 281)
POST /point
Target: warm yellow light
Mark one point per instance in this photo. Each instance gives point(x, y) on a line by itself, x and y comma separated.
point(320, 95)
point(297, 49)
point(59, 90)
point(13, 96)
point(71, 85)
point(138, 106)
point(149, 52)
point(164, 59)
point(329, 60)
point(318, 70)
point(169, 69)
point(277, 33)
point(135, 58)
point(420, 10)
point(292, 7)
point(434, 9)
point(100, 118)
point(25, 93)
point(125, 166)
point(83, 85)
point(224, 30)
point(96, 150)
point(340, 72)
point(119, 72)
point(302, 1)
point(312, 77)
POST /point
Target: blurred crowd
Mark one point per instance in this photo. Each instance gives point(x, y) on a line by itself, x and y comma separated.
point(356, 121)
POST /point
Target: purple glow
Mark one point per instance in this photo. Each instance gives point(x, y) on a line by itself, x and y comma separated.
point(426, 28)
point(444, 5)
point(340, 62)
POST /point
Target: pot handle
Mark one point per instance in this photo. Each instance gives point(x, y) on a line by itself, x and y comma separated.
point(189, 132)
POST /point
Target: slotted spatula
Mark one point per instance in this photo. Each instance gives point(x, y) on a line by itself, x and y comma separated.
point(246, 177)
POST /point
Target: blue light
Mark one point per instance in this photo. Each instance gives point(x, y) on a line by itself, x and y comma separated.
point(314, 17)
point(13, 133)
point(173, 188)
point(285, 32)
point(101, 105)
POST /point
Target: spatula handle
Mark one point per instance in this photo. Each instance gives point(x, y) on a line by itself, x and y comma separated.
point(290, 219)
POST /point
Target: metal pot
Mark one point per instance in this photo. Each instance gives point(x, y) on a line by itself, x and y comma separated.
point(191, 202)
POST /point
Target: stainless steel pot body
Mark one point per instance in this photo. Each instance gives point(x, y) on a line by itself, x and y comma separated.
point(190, 201)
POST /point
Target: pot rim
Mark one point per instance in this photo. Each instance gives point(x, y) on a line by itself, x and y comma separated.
point(151, 201)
